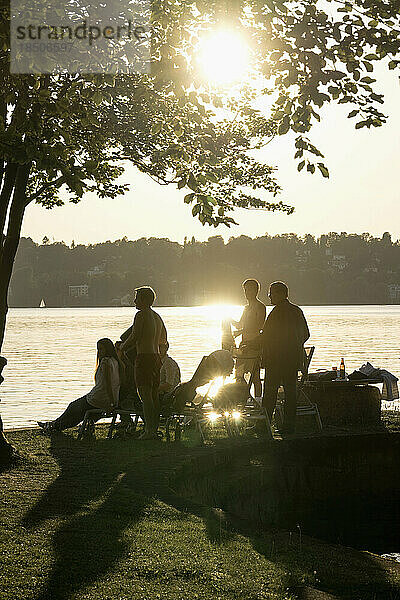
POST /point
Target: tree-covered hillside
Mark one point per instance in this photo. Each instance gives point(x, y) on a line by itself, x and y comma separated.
point(332, 269)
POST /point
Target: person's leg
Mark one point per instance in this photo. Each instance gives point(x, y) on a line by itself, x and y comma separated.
point(156, 407)
point(257, 383)
point(146, 396)
point(290, 387)
point(271, 385)
point(73, 414)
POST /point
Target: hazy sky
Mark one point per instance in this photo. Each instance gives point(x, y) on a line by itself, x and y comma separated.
point(362, 194)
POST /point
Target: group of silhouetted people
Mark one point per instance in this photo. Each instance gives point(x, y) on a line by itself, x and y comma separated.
point(137, 369)
point(136, 372)
point(278, 341)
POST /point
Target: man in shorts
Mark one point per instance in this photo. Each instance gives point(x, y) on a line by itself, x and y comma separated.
point(148, 332)
point(249, 327)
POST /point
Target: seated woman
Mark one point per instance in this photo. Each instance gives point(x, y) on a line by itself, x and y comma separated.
point(104, 395)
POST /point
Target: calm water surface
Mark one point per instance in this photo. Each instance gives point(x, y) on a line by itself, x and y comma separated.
point(51, 352)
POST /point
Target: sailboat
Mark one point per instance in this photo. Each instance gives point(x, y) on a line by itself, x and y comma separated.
point(42, 304)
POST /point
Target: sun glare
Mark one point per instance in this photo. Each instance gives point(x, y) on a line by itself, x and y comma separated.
point(224, 57)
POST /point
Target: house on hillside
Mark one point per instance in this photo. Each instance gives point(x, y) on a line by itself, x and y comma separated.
point(338, 262)
point(78, 291)
point(394, 293)
point(96, 270)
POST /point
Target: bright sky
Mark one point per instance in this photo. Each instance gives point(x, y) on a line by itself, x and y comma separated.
point(362, 194)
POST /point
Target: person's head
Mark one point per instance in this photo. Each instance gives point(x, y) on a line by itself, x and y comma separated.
point(105, 348)
point(144, 297)
point(163, 349)
point(278, 291)
point(118, 350)
point(3, 362)
point(251, 287)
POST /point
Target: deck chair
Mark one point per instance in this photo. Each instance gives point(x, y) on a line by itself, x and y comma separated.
point(181, 411)
point(245, 412)
point(305, 407)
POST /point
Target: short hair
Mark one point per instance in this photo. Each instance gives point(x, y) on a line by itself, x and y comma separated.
point(252, 283)
point(280, 287)
point(146, 293)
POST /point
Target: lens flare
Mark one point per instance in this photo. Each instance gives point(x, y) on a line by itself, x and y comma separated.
point(213, 416)
point(236, 415)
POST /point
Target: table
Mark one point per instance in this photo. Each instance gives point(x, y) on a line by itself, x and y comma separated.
point(344, 402)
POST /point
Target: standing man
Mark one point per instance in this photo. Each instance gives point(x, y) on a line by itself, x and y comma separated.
point(249, 327)
point(148, 332)
point(283, 337)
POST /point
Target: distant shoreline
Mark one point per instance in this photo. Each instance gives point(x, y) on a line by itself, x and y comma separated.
point(189, 305)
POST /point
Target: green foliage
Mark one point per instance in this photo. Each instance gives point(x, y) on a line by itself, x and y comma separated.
point(77, 131)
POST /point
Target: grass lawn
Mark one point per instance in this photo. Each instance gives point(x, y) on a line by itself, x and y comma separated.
point(100, 520)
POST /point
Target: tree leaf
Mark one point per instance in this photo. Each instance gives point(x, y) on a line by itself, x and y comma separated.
point(192, 182)
point(323, 169)
point(301, 164)
point(284, 126)
point(156, 128)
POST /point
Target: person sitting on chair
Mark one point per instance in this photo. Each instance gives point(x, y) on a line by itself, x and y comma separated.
point(170, 373)
point(103, 396)
point(282, 339)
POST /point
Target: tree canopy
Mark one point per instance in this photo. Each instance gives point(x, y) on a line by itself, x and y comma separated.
point(76, 130)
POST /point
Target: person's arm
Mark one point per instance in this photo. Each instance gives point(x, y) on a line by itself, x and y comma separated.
point(305, 332)
point(261, 316)
point(107, 377)
point(239, 324)
point(263, 313)
point(266, 328)
point(135, 333)
point(124, 336)
point(163, 334)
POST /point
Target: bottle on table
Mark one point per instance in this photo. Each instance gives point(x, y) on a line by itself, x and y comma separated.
point(334, 369)
point(342, 369)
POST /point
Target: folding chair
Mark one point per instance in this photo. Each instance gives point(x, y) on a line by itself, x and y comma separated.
point(305, 407)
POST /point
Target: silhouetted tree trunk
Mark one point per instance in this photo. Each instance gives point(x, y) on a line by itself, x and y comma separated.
point(6, 450)
point(12, 203)
point(12, 206)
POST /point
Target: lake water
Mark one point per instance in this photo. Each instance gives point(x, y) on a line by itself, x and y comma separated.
point(51, 352)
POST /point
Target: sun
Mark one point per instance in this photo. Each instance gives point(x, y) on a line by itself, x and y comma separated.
point(224, 57)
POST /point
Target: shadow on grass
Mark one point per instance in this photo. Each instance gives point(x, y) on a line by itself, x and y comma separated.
point(92, 497)
point(104, 487)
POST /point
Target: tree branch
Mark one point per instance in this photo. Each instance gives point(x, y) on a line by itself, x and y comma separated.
point(57, 182)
